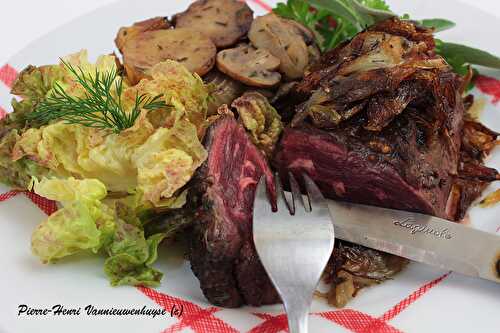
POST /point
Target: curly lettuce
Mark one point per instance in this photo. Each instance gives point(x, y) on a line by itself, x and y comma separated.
point(131, 256)
point(86, 224)
point(32, 85)
point(154, 158)
point(184, 91)
point(17, 173)
point(79, 60)
point(145, 167)
point(154, 162)
point(168, 160)
point(83, 223)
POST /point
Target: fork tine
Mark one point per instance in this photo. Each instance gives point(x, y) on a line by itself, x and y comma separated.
point(314, 195)
point(296, 194)
point(262, 206)
point(282, 201)
point(294, 250)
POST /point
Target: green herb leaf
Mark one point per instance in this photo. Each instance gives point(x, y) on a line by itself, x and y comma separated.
point(99, 108)
point(373, 10)
point(341, 8)
point(334, 21)
point(376, 4)
point(294, 9)
point(438, 24)
point(460, 55)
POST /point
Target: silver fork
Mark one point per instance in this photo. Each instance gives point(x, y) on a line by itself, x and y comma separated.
point(294, 245)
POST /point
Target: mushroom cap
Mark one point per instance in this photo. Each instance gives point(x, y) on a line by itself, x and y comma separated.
point(283, 39)
point(254, 67)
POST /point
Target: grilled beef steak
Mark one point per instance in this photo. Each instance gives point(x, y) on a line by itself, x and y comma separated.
point(382, 124)
point(379, 120)
point(222, 253)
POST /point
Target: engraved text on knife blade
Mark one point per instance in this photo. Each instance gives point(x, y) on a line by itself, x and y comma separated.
point(415, 228)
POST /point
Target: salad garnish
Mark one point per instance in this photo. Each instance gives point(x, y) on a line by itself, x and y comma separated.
point(100, 106)
point(335, 21)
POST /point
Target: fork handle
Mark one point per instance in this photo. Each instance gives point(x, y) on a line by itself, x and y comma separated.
point(297, 319)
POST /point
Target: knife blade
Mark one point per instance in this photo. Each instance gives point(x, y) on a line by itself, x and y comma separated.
point(419, 237)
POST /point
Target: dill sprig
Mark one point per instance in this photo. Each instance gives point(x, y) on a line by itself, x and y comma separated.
point(100, 108)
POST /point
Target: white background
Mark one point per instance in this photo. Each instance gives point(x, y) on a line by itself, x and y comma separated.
point(22, 21)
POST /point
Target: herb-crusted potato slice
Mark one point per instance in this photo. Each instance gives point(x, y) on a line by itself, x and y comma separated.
point(284, 40)
point(126, 33)
point(189, 47)
point(254, 67)
point(224, 21)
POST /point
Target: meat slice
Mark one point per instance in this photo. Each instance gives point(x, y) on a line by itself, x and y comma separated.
point(222, 253)
point(382, 124)
point(371, 172)
point(379, 121)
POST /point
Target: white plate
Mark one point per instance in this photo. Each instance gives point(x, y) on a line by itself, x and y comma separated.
point(450, 304)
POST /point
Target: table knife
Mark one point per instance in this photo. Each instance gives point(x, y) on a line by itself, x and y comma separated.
point(419, 237)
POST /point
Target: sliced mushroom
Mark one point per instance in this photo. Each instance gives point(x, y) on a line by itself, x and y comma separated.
point(189, 47)
point(125, 33)
point(310, 40)
point(224, 21)
point(254, 67)
point(314, 54)
point(223, 90)
point(284, 40)
point(307, 35)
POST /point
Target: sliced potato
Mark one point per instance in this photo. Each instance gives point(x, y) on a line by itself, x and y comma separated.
point(224, 21)
point(125, 33)
point(284, 40)
point(254, 67)
point(189, 47)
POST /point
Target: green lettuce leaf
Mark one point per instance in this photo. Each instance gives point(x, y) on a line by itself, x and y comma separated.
point(35, 82)
point(17, 173)
point(167, 161)
point(152, 158)
point(84, 223)
point(32, 85)
point(184, 91)
point(438, 24)
point(131, 257)
point(140, 159)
